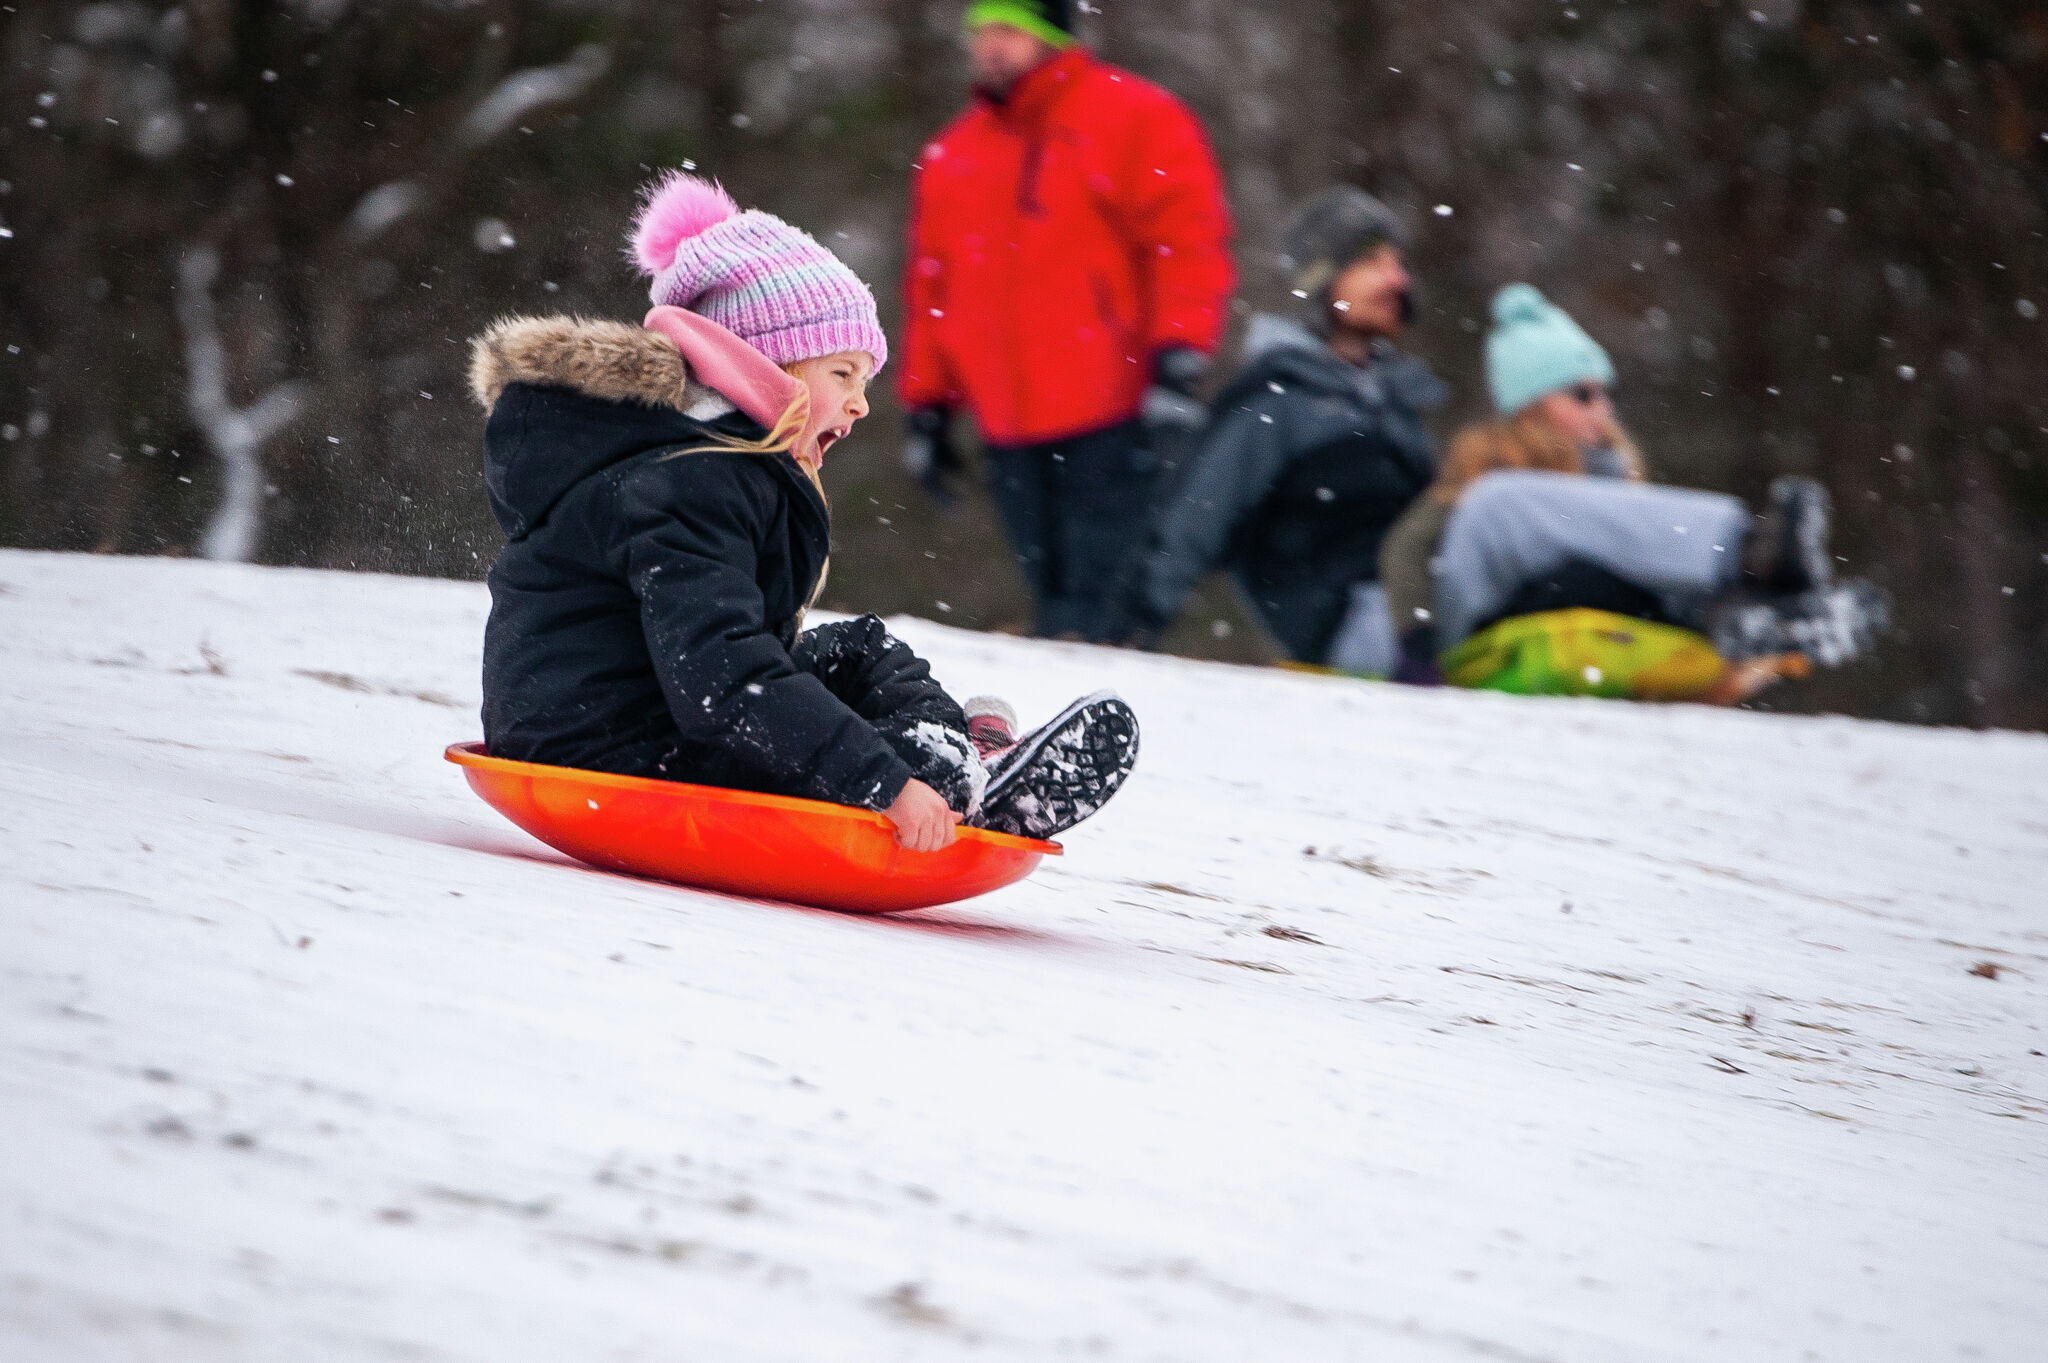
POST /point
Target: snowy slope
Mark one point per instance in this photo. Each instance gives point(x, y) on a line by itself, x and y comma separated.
point(1367, 1024)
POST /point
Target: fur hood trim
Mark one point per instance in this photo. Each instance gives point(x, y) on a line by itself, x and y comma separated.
point(617, 361)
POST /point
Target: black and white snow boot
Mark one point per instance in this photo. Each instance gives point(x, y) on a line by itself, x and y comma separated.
point(1787, 547)
point(1831, 626)
point(1058, 775)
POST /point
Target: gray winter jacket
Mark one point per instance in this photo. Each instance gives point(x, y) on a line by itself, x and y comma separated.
point(1309, 459)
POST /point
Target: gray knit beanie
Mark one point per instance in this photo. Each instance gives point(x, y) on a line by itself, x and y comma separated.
point(1327, 233)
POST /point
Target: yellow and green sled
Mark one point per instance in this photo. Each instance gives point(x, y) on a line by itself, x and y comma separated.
point(1581, 652)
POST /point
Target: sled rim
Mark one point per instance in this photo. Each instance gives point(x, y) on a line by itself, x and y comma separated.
point(472, 754)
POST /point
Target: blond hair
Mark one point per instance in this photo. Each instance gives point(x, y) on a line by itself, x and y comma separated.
point(781, 438)
point(1522, 441)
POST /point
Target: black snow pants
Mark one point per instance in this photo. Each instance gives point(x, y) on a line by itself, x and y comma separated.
point(889, 686)
point(1074, 510)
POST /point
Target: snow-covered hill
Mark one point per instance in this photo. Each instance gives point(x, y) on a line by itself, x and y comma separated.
point(1367, 1024)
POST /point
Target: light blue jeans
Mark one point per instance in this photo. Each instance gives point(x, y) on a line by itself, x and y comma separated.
point(1512, 527)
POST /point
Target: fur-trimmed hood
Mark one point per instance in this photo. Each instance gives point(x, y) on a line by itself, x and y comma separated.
point(569, 397)
point(616, 361)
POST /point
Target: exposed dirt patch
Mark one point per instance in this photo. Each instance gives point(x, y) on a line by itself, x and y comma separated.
point(906, 1302)
point(463, 1197)
point(1266, 967)
point(1292, 935)
point(1165, 887)
point(344, 682)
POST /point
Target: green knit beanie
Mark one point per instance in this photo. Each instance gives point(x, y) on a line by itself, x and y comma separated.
point(1051, 21)
point(1536, 348)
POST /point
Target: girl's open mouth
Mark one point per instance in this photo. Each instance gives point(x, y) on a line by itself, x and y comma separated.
point(829, 437)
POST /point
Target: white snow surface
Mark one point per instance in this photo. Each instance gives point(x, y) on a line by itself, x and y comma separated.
point(1365, 1024)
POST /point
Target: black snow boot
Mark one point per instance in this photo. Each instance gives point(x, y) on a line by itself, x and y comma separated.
point(1787, 547)
point(1831, 626)
point(1058, 775)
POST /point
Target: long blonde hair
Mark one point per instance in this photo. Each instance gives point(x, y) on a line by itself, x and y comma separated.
point(1522, 441)
point(781, 438)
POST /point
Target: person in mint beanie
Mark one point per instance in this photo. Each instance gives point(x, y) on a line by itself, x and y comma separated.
point(1536, 348)
point(1545, 506)
point(1538, 358)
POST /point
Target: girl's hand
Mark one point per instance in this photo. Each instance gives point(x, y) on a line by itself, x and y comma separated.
point(924, 822)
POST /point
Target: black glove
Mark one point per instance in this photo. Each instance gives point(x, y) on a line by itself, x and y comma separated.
point(929, 454)
point(1127, 623)
point(1128, 618)
point(1415, 664)
point(1181, 368)
point(1170, 400)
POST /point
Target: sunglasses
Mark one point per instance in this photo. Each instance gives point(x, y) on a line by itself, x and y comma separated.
point(1586, 394)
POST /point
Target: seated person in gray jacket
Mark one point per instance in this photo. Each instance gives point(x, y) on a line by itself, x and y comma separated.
point(1316, 446)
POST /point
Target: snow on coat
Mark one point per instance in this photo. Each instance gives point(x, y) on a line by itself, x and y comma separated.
point(645, 611)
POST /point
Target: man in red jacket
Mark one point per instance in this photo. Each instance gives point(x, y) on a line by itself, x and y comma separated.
point(1069, 265)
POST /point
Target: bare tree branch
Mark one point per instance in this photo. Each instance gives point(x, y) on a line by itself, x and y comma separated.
point(521, 93)
point(235, 434)
point(383, 208)
point(516, 97)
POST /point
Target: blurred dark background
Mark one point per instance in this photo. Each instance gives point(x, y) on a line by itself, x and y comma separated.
point(242, 247)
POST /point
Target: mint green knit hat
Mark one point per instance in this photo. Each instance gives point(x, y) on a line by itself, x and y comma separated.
point(1536, 348)
point(1050, 21)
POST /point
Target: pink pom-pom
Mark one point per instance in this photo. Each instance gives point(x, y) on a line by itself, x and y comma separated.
point(673, 208)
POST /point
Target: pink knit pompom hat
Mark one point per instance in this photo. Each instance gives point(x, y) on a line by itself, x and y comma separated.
point(751, 272)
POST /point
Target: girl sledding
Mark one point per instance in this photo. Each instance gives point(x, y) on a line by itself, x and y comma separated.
point(658, 486)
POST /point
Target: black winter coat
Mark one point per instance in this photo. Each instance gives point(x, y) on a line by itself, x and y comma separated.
point(645, 609)
point(1308, 461)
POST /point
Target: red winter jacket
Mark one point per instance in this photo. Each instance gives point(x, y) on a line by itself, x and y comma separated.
point(1058, 241)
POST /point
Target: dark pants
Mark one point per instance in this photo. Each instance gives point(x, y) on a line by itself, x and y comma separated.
point(891, 688)
point(1576, 583)
point(1075, 510)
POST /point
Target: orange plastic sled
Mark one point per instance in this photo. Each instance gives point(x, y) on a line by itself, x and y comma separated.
point(763, 846)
